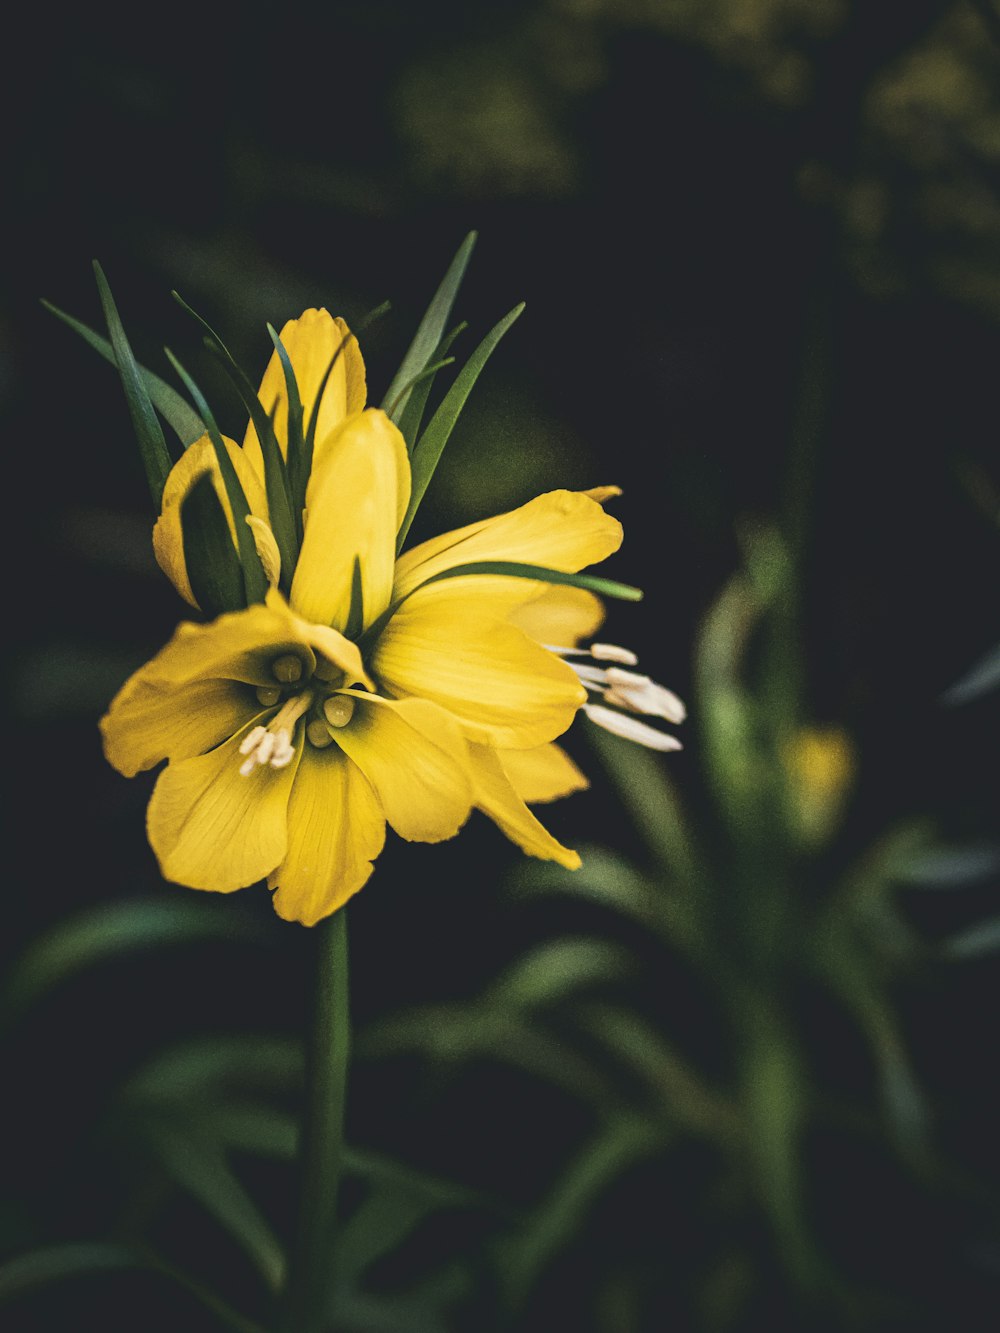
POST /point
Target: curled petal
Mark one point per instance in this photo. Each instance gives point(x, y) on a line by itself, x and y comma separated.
point(561, 615)
point(496, 797)
point(311, 341)
point(197, 459)
point(542, 775)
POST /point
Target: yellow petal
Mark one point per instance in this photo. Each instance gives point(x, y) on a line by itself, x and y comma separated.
point(561, 616)
point(602, 494)
point(336, 829)
point(357, 494)
point(445, 646)
point(197, 459)
point(212, 828)
point(544, 774)
point(414, 755)
point(563, 530)
point(496, 797)
point(267, 548)
point(311, 341)
point(147, 723)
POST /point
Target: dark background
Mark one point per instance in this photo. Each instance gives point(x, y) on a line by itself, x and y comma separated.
point(760, 249)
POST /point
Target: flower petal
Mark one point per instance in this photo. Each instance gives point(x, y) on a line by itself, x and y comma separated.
point(336, 829)
point(355, 500)
point(212, 828)
point(561, 616)
point(147, 723)
point(506, 690)
point(311, 341)
point(563, 530)
point(414, 755)
point(496, 797)
point(197, 459)
point(543, 774)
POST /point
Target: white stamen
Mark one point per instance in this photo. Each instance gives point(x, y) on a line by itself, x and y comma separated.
point(252, 739)
point(590, 675)
point(610, 652)
point(639, 694)
point(265, 747)
point(248, 766)
point(631, 729)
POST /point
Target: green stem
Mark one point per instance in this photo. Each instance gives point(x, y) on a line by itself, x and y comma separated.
point(306, 1298)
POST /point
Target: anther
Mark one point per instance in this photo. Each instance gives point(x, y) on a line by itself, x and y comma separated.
point(252, 739)
point(339, 710)
point(610, 652)
point(319, 734)
point(287, 669)
point(631, 728)
point(268, 695)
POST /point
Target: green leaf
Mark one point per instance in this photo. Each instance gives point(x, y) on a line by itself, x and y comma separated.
point(203, 1172)
point(603, 878)
point(356, 614)
point(198, 1071)
point(974, 942)
point(431, 444)
point(553, 1226)
point(114, 930)
point(555, 970)
point(185, 423)
point(254, 578)
point(299, 465)
point(951, 867)
point(431, 329)
point(427, 373)
point(152, 446)
point(515, 570)
point(409, 416)
point(213, 566)
point(41, 1268)
point(980, 679)
point(275, 479)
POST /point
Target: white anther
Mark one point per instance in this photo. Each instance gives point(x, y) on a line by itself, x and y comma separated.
point(590, 675)
point(248, 766)
point(251, 740)
point(265, 747)
point(639, 694)
point(631, 729)
point(283, 757)
point(610, 652)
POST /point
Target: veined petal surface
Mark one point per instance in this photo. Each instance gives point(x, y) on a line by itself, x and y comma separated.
point(357, 494)
point(561, 616)
point(414, 755)
point(311, 342)
point(146, 722)
point(336, 829)
point(564, 530)
point(448, 647)
point(211, 828)
point(197, 459)
point(544, 774)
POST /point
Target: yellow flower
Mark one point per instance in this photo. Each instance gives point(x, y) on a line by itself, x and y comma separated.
point(295, 730)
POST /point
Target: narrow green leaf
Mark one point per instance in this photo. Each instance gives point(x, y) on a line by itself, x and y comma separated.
point(431, 444)
point(356, 615)
point(204, 1173)
point(978, 680)
point(275, 479)
point(185, 423)
point(254, 578)
point(974, 942)
point(410, 413)
point(952, 867)
point(555, 970)
point(115, 930)
point(516, 570)
point(152, 446)
point(298, 465)
point(432, 325)
point(199, 1071)
point(427, 373)
point(213, 566)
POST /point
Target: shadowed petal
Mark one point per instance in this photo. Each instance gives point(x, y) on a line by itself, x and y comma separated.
point(544, 774)
point(496, 797)
point(146, 723)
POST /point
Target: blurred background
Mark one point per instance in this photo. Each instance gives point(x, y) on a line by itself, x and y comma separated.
point(739, 1072)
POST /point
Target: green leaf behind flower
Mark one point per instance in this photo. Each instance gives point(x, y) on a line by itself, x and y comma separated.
point(213, 566)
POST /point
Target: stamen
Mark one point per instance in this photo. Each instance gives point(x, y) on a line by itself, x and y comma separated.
point(252, 739)
point(339, 710)
point(273, 744)
point(287, 669)
point(319, 734)
point(610, 652)
point(631, 729)
point(268, 695)
point(639, 694)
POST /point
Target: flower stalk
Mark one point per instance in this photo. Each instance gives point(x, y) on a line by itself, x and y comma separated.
point(305, 1301)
